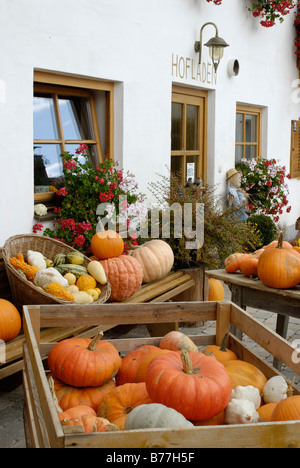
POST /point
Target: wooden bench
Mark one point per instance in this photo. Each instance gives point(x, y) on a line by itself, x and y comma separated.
point(159, 291)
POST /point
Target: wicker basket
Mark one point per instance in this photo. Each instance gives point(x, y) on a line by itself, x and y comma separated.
point(23, 291)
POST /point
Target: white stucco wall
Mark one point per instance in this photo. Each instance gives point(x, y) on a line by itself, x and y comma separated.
point(132, 42)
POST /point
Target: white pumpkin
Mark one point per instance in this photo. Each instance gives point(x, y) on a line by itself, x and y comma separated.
point(156, 258)
point(275, 390)
point(154, 415)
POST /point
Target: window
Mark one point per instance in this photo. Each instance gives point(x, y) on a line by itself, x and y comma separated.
point(247, 133)
point(188, 134)
point(64, 117)
point(295, 150)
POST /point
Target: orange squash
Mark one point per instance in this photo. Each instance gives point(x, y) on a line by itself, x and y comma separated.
point(248, 265)
point(107, 244)
point(125, 274)
point(215, 290)
point(135, 364)
point(243, 373)
point(10, 321)
point(217, 420)
point(287, 410)
point(82, 362)
point(120, 402)
point(232, 262)
point(221, 353)
point(177, 341)
point(265, 412)
point(279, 267)
point(193, 384)
point(69, 397)
point(90, 423)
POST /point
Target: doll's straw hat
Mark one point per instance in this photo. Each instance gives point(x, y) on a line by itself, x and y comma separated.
point(231, 173)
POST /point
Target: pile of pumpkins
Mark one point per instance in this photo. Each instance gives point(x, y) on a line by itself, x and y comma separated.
point(172, 385)
point(126, 273)
point(277, 265)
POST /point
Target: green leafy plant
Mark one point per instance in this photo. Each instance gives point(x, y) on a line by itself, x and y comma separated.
point(222, 235)
point(85, 189)
point(265, 227)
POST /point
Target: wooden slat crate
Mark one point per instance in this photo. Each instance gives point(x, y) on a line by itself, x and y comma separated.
point(42, 424)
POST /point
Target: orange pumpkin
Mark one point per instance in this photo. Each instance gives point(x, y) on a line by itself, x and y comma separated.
point(76, 412)
point(10, 321)
point(296, 248)
point(82, 362)
point(265, 412)
point(285, 244)
point(135, 364)
point(107, 244)
point(221, 353)
point(248, 265)
point(125, 274)
point(243, 373)
point(120, 402)
point(215, 290)
point(217, 420)
point(232, 262)
point(279, 267)
point(90, 423)
point(177, 341)
point(193, 384)
point(287, 410)
point(69, 397)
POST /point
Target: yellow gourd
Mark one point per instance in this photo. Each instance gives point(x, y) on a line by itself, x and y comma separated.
point(86, 282)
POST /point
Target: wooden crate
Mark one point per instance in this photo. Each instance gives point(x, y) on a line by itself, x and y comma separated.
point(42, 425)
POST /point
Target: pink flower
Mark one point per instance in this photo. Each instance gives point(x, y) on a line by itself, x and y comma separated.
point(82, 149)
point(62, 191)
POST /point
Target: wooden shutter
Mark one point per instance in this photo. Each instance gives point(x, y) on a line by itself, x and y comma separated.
point(295, 149)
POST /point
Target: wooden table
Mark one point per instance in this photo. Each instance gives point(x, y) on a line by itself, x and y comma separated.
point(253, 293)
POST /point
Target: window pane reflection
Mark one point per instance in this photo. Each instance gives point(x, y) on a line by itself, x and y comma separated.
point(44, 120)
point(176, 131)
point(177, 166)
point(250, 128)
point(239, 128)
point(75, 117)
point(191, 127)
point(48, 168)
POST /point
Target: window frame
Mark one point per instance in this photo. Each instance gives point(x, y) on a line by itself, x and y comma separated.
point(55, 84)
point(295, 150)
point(257, 112)
point(189, 96)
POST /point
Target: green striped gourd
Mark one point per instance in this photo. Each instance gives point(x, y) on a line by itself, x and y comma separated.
point(59, 259)
point(77, 270)
point(76, 258)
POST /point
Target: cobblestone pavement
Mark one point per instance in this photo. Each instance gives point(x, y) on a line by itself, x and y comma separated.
point(11, 391)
